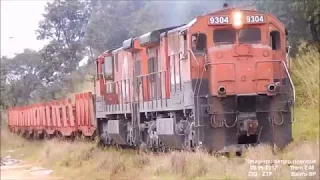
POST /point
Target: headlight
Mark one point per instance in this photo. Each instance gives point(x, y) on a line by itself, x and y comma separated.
point(237, 17)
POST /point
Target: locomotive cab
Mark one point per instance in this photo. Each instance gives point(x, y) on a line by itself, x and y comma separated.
point(105, 88)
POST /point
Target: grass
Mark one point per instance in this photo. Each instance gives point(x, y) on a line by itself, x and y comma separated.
point(306, 78)
point(83, 160)
point(306, 126)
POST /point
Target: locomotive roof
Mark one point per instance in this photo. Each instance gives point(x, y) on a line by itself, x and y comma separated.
point(117, 50)
point(154, 36)
point(128, 43)
point(229, 10)
point(180, 28)
point(185, 26)
point(243, 9)
point(110, 50)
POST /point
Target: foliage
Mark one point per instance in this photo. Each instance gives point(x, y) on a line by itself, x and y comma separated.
point(295, 13)
point(109, 24)
point(64, 25)
point(23, 80)
point(21, 77)
point(3, 73)
point(305, 72)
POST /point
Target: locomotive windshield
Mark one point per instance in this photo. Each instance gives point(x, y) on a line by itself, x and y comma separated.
point(250, 35)
point(228, 36)
point(224, 36)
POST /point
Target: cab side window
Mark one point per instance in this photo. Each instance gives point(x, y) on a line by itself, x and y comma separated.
point(108, 68)
point(137, 66)
point(97, 70)
point(152, 62)
point(115, 58)
point(198, 42)
point(275, 40)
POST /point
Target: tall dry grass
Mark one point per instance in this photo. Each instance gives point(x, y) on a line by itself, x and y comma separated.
point(83, 160)
point(306, 77)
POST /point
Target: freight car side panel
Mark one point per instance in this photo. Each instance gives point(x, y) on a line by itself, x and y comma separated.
point(56, 116)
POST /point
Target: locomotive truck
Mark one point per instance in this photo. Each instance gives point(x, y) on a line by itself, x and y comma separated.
point(219, 82)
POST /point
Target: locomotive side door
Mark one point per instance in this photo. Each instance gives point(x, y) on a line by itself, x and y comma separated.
point(137, 72)
point(174, 63)
point(198, 46)
point(109, 71)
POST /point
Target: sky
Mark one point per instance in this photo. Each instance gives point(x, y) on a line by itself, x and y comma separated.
point(19, 20)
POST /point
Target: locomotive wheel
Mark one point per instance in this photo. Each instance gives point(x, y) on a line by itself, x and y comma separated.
point(143, 148)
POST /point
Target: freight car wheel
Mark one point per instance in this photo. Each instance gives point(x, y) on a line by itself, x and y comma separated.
point(60, 136)
point(28, 134)
point(33, 135)
point(23, 135)
point(79, 136)
point(19, 132)
point(47, 136)
point(41, 135)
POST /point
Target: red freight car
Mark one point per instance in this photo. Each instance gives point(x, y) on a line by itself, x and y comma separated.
point(61, 118)
point(219, 81)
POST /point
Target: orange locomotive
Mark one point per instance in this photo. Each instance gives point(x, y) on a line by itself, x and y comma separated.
point(218, 82)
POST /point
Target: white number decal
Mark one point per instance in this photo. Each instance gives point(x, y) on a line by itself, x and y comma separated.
point(219, 20)
point(255, 19)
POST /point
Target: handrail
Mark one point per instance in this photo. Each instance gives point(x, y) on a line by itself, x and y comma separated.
point(118, 81)
point(195, 58)
point(120, 88)
point(144, 75)
point(287, 72)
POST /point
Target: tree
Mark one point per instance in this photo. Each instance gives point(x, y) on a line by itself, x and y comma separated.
point(109, 24)
point(64, 25)
point(3, 73)
point(20, 78)
point(299, 16)
point(314, 25)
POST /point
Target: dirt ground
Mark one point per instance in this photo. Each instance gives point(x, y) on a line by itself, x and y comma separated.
point(19, 170)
